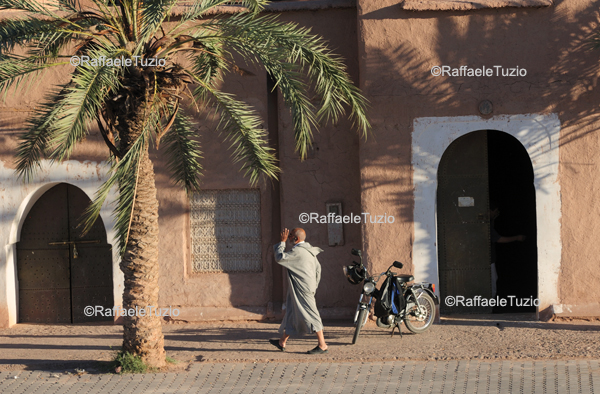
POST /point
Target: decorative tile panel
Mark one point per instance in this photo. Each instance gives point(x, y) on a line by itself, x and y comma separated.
point(225, 230)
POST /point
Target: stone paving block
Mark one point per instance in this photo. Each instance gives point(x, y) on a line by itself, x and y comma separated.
point(586, 378)
point(11, 384)
point(202, 375)
point(528, 377)
point(515, 375)
point(63, 383)
point(320, 377)
point(266, 375)
point(256, 377)
point(32, 388)
point(468, 382)
point(29, 379)
point(187, 383)
point(142, 386)
point(400, 376)
point(386, 375)
point(371, 383)
point(449, 385)
point(293, 378)
point(327, 375)
point(595, 373)
point(178, 382)
point(165, 384)
point(460, 378)
point(120, 384)
point(427, 377)
point(155, 383)
point(352, 376)
point(245, 378)
point(437, 384)
point(78, 386)
point(504, 378)
point(309, 379)
point(340, 378)
point(275, 379)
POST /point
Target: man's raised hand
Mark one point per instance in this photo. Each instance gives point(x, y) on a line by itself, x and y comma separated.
point(284, 235)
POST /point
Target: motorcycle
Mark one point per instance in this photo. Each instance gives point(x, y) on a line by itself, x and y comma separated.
point(397, 301)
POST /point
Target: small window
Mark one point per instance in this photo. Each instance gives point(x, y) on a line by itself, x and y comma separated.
point(225, 230)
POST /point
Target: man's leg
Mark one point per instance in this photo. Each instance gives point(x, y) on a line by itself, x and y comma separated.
point(284, 339)
point(321, 339)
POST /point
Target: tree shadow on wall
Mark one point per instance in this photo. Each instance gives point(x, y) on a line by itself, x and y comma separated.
point(551, 43)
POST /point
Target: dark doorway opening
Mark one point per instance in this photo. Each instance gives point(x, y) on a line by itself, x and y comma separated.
point(476, 169)
point(511, 188)
point(60, 271)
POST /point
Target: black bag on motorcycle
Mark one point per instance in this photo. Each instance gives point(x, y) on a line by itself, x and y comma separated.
point(383, 305)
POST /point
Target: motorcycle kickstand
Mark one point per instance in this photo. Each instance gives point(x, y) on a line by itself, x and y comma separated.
point(399, 330)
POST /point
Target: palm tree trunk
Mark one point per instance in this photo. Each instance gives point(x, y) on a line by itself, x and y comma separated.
point(142, 335)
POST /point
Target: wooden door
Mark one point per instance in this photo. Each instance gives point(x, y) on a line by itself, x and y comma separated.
point(59, 270)
point(463, 223)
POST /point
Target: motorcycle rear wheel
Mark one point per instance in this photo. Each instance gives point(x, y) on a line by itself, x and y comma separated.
point(360, 322)
point(418, 326)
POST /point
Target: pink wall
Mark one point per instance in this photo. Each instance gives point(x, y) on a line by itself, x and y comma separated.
point(397, 50)
point(331, 174)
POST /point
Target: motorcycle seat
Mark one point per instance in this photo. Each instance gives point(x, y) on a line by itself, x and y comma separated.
point(405, 278)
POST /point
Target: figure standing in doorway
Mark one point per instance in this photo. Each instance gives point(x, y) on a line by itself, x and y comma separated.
point(497, 238)
point(304, 274)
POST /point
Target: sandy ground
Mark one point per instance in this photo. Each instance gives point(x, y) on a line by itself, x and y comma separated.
point(27, 346)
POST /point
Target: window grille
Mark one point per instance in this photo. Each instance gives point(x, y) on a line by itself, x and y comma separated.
point(225, 230)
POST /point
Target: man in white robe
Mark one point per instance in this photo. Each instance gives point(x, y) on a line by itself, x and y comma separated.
point(304, 273)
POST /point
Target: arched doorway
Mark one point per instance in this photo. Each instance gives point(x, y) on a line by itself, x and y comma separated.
point(475, 169)
point(59, 271)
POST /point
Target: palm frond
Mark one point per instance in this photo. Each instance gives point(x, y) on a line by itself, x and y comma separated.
point(49, 47)
point(211, 62)
point(69, 5)
point(13, 72)
point(124, 174)
point(183, 153)
point(31, 6)
point(34, 143)
point(242, 125)
point(107, 9)
point(331, 82)
point(84, 99)
point(293, 89)
point(154, 13)
point(15, 32)
point(202, 7)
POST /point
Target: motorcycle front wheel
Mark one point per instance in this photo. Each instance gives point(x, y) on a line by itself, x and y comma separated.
point(420, 317)
point(360, 322)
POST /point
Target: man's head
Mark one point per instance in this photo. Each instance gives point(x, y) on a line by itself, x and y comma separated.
point(297, 235)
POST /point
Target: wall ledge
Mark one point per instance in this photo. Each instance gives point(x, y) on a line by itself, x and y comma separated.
point(466, 5)
point(576, 311)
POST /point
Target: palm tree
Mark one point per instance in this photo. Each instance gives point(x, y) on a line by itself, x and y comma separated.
point(135, 99)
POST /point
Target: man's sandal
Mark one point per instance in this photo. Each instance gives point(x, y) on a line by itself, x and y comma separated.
point(317, 350)
point(275, 342)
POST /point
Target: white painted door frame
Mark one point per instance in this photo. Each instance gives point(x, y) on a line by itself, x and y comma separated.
point(539, 134)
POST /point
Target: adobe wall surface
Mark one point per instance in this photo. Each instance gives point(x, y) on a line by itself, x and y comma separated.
point(398, 48)
point(331, 174)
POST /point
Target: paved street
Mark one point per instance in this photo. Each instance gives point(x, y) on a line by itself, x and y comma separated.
point(445, 377)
